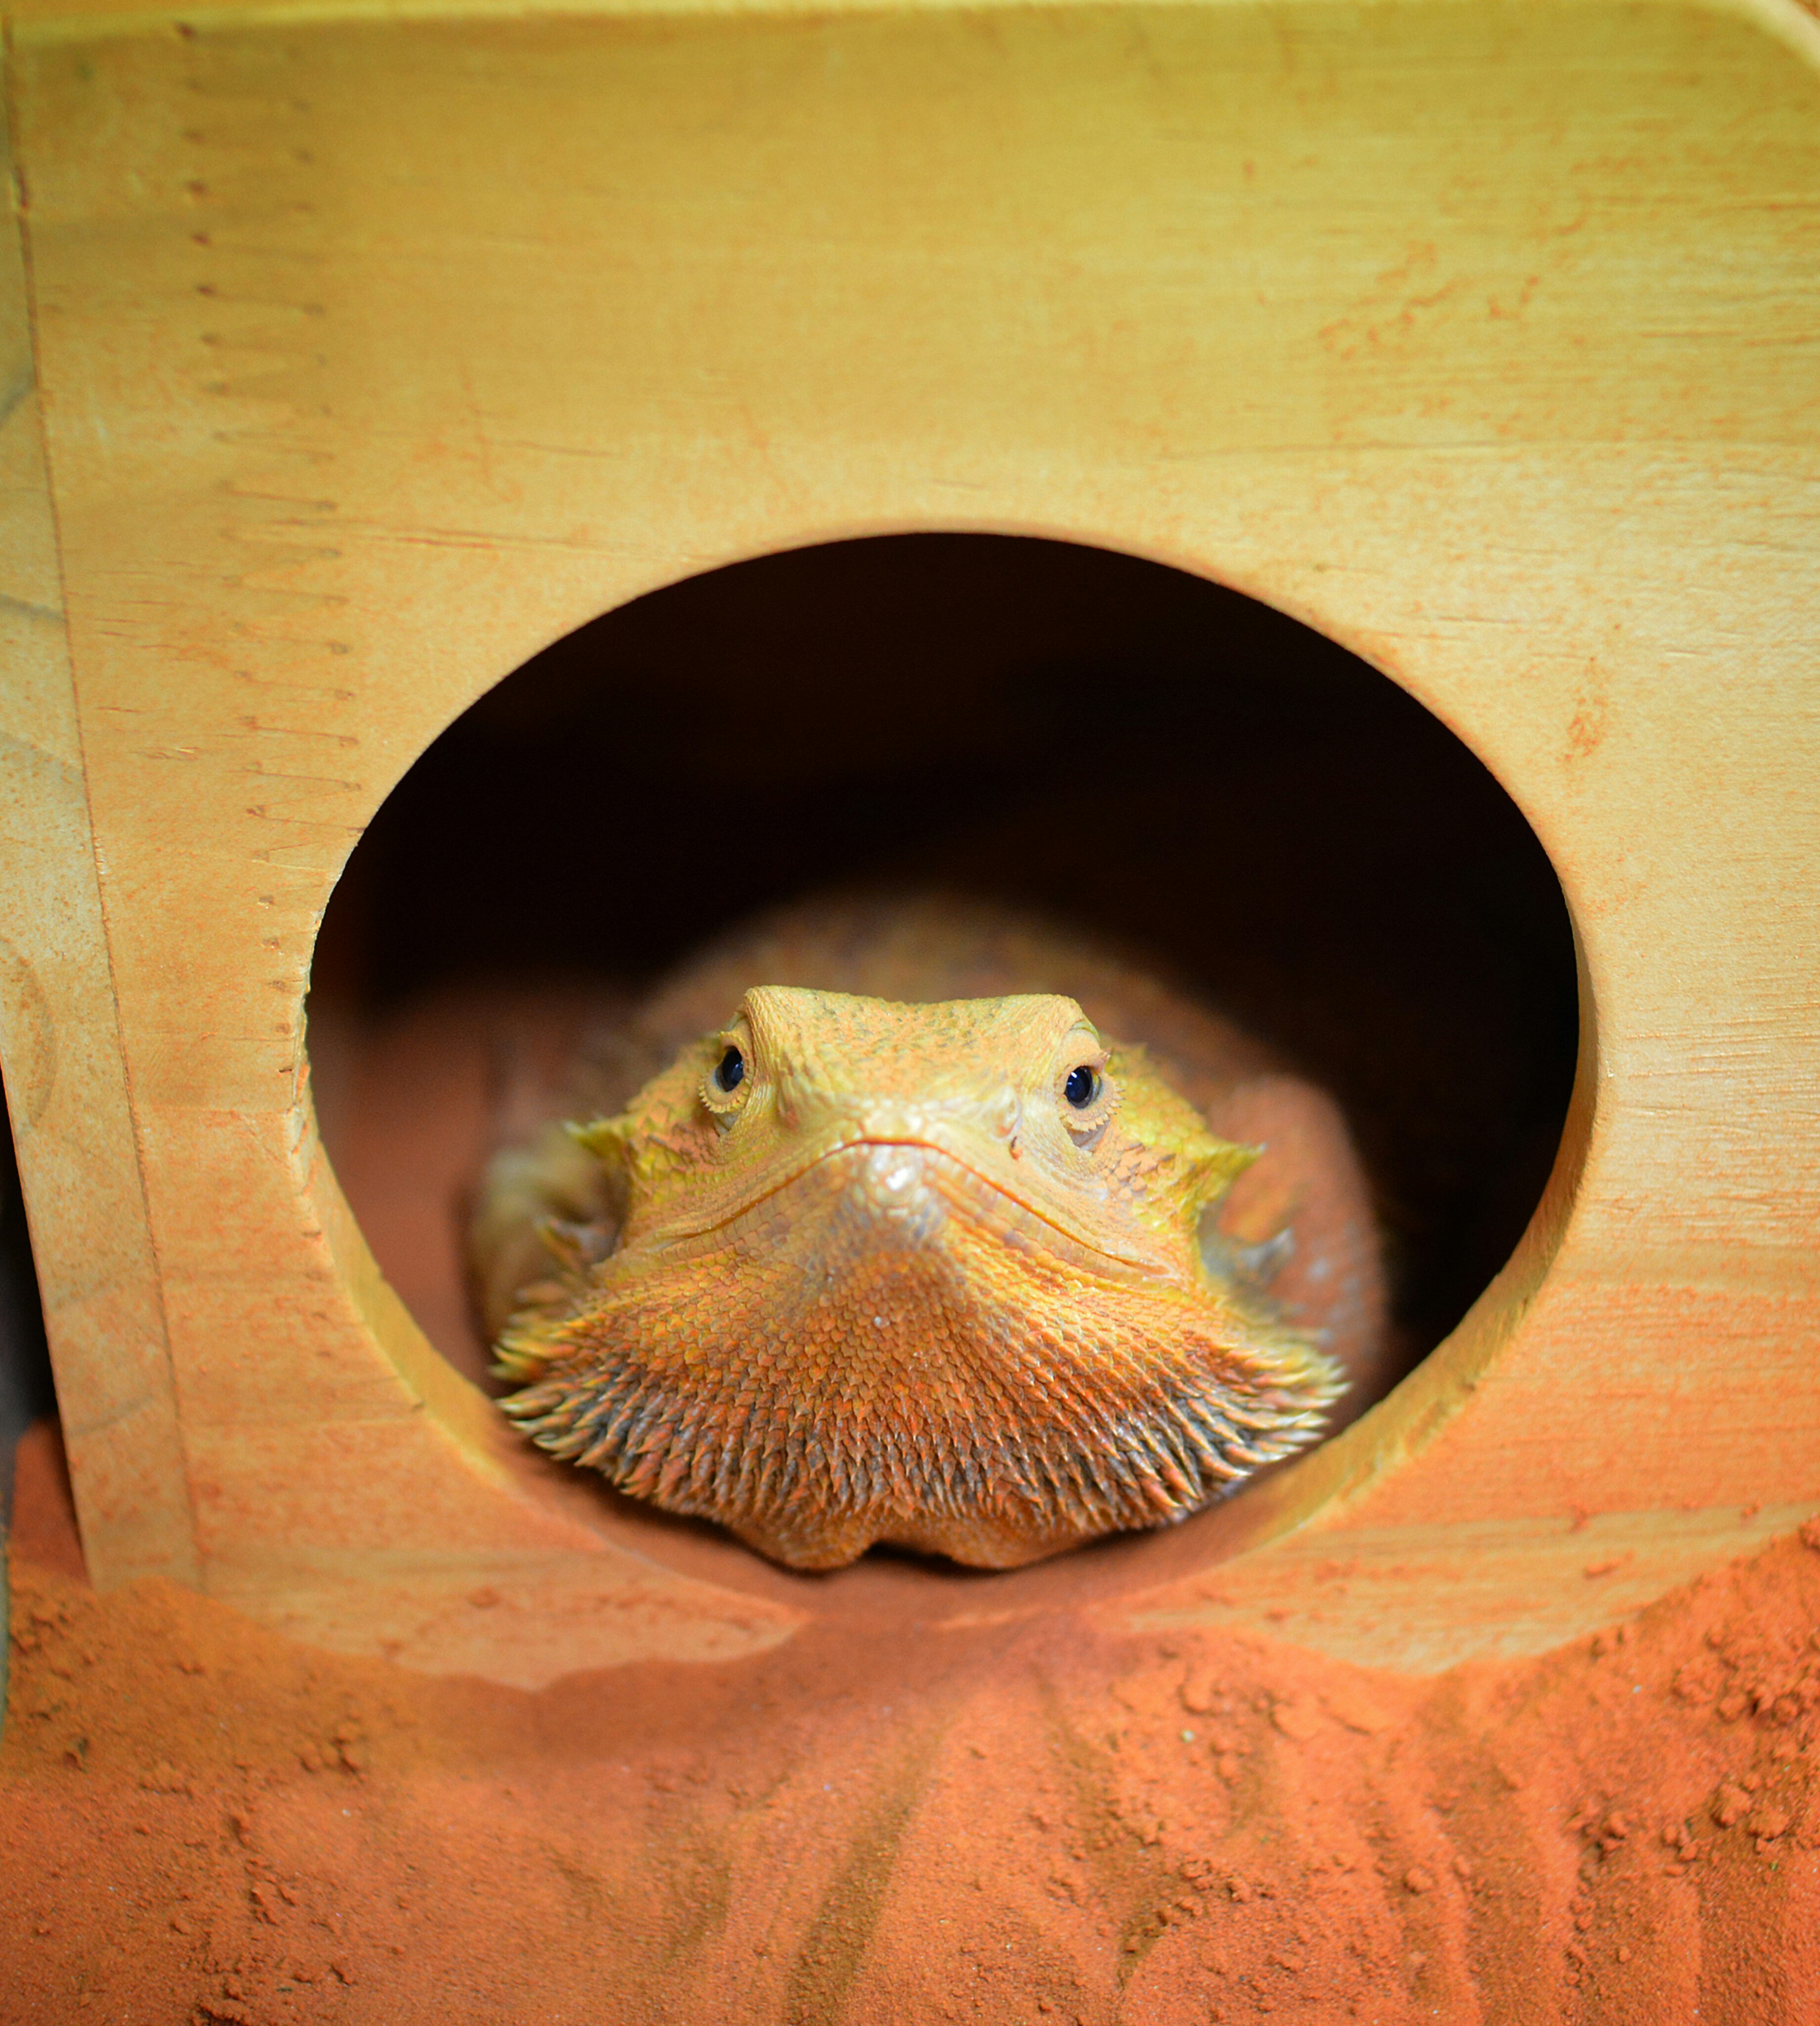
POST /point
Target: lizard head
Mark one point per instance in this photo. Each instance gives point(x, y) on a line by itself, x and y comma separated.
point(925, 1274)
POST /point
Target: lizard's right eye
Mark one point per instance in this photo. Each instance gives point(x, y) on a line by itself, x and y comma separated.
point(730, 1071)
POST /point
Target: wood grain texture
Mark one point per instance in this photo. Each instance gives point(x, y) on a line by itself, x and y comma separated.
point(377, 353)
point(66, 1090)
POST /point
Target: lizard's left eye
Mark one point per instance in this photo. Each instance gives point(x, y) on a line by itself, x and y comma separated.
point(1082, 1086)
point(727, 1081)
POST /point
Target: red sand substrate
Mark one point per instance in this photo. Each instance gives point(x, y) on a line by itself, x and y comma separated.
point(202, 1822)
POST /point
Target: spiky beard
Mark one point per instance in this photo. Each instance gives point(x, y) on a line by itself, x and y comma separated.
point(889, 1350)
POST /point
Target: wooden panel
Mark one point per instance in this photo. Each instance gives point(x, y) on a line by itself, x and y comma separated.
point(378, 354)
point(65, 1080)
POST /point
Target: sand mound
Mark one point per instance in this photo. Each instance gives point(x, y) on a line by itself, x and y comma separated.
point(203, 1821)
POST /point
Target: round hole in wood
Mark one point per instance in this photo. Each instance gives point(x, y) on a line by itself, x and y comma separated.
point(1208, 784)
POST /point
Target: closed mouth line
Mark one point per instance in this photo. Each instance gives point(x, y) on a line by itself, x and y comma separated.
point(945, 1154)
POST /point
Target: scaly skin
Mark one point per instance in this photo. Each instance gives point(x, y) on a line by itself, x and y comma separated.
point(895, 1284)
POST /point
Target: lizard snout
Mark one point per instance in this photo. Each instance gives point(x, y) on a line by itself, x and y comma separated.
point(891, 1120)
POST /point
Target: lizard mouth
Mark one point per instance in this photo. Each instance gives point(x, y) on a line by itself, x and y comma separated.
point(980, 1193)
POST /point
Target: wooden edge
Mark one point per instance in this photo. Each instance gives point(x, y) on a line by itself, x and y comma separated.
point(51, 21)
point(66, 1077)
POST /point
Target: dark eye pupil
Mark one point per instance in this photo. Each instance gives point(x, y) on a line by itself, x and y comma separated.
point(730, 1072)
point(1078, 1089)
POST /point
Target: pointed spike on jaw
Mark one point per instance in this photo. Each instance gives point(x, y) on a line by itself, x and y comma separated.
point(604, 1138)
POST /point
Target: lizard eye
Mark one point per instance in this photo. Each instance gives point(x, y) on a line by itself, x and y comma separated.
point(726, 1081)
point(1085, 1095)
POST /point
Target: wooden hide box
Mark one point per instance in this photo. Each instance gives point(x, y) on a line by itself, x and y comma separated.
point(355, 352)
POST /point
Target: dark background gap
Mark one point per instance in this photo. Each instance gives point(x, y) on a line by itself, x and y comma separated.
point(26, 1391)
point(1213, 785)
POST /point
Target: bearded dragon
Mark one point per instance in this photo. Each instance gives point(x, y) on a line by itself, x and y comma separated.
point(921, 1232)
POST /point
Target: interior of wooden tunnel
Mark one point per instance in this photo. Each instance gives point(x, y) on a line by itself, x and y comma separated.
point(1210, 785)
